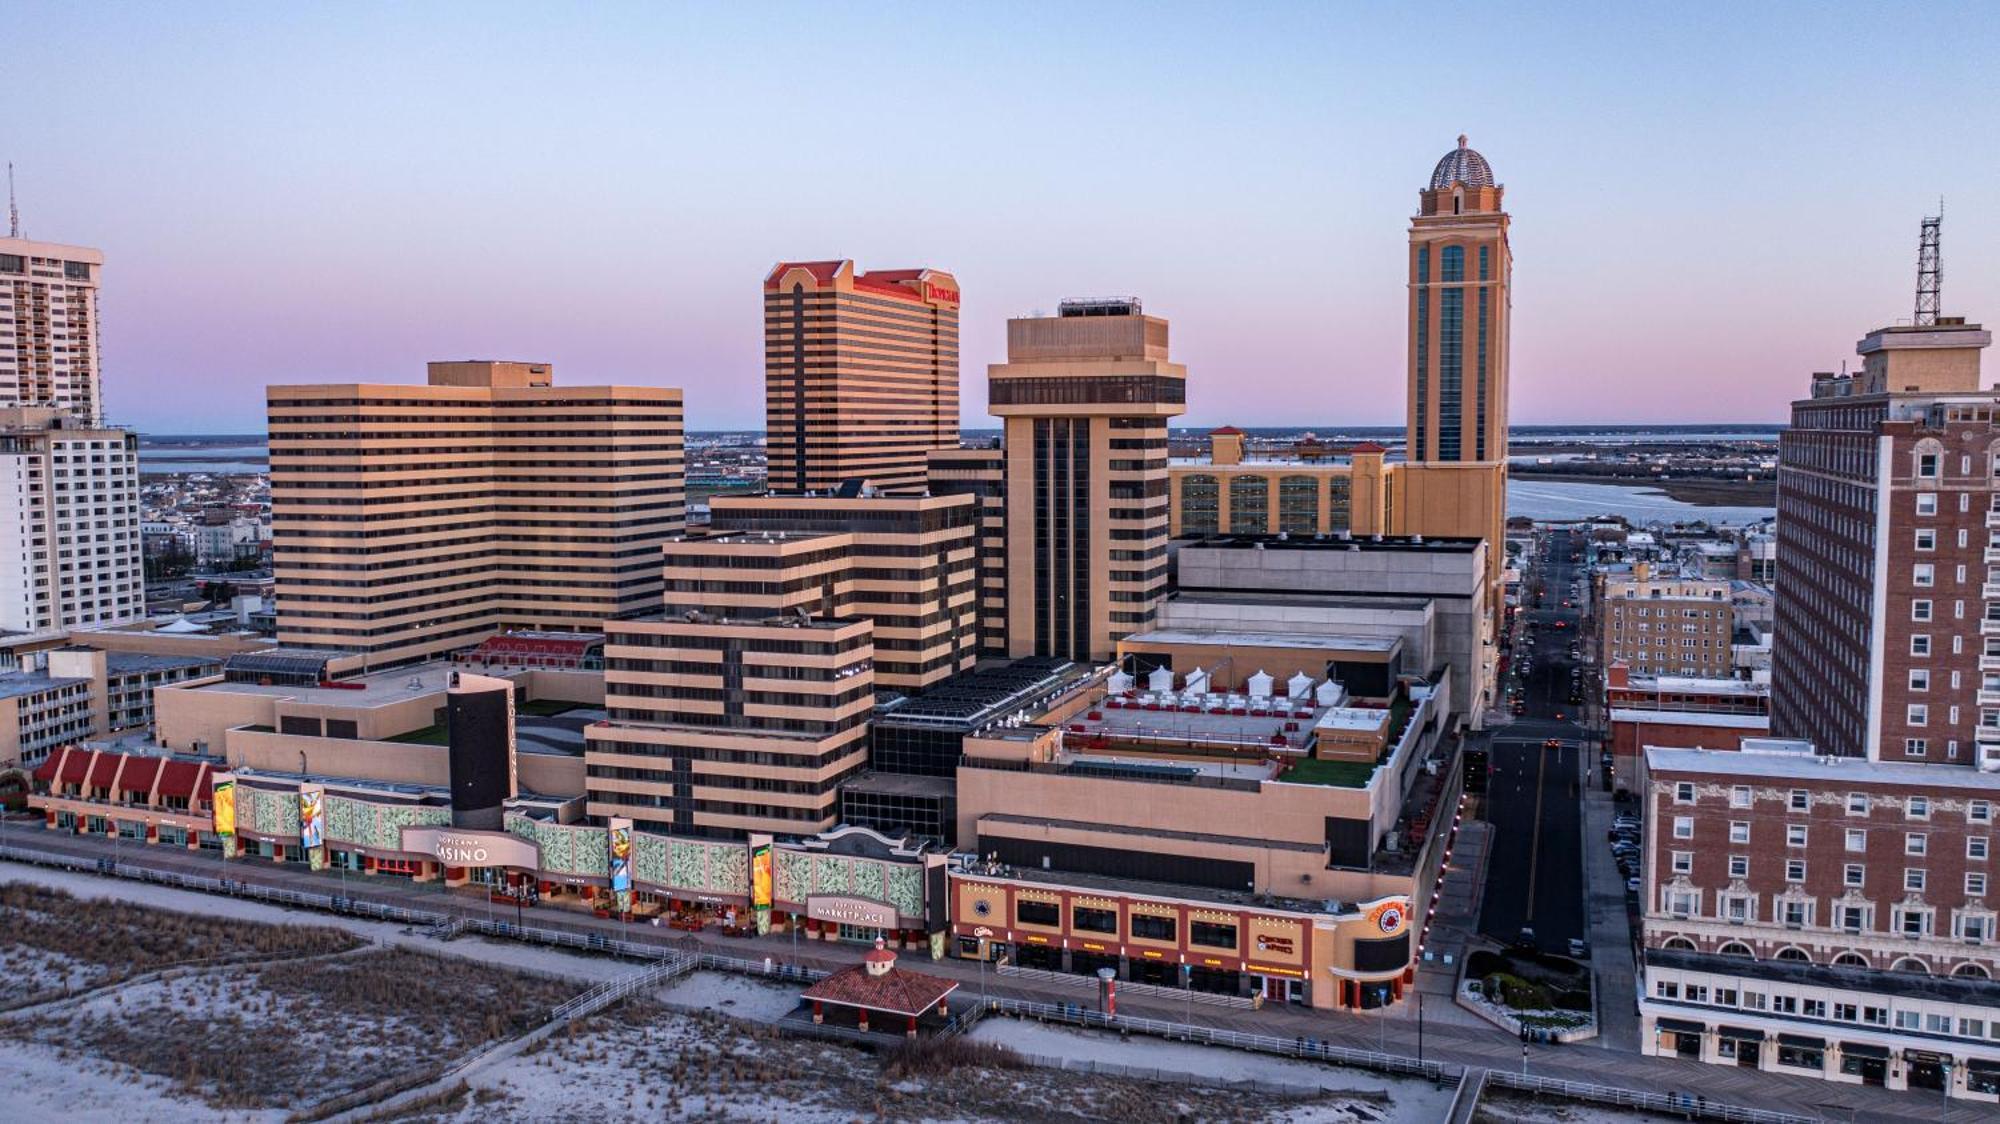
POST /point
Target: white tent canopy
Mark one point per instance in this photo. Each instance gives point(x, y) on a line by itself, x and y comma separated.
point(1260, 685)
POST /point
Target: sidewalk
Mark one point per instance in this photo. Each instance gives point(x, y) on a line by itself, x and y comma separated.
point(1611, 936)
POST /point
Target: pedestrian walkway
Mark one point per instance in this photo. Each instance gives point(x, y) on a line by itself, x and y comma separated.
point(1611, 937)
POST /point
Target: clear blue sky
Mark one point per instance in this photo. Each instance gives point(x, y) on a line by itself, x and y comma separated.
point(1710, 201)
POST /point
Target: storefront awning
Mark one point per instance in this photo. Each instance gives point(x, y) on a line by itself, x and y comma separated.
point(1983, 1065)
point(1801, 1042)
point(1739, 1033)
point(1681, 1026)
point(1864, 1050)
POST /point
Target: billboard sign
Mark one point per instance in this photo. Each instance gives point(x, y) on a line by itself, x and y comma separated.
point(312, 816)
point(224, 801)
point(760, 877)
point(619, 841)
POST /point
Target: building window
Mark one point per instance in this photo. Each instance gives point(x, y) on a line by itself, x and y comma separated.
point(1920, 679)
point(1927, 466)
point(1920, 644)
point(1684, 792)
point(1857, 803)
point(1795, 870)
point(1038, 913)
point(1739, 796)
point(1212, 934)
point(1853, 874)
point(1975, 847)
point(1979, 811)
point(1857, 840)
point(1089, 919)
point(1795, 835)
point(1926, 539)
point(1975, 883)
point(1917, 808)
point(1249, 505)
point(1797, 914)
point(1683, 862)
point(1739, 831)
point(1913, 878)
point(1146, 926)
point(1916, 747)
point(1200, 505)
point(1739, 866)
point(1799, 800)
point(1923, 575)
point(1683, 827)
point(1298, 505)
point(1920, 610)
point(1926, 503)
point(1918, 714)
point(1916, 843)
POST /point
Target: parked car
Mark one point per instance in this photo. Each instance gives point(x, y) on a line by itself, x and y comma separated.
point(1632, 886)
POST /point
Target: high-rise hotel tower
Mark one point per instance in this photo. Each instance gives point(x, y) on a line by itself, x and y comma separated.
point(860, 375)
point(1084, 398)
point(415, 520)
point(48, 328)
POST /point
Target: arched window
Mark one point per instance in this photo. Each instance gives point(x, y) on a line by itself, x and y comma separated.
point(1298, 505)
point(1911, 964)
point(1678, 944)
point(1249, 505)
point(1850, 960)
point(1736, 948)
point(1200, 505)
point(1971, 972)
point(1793, 953)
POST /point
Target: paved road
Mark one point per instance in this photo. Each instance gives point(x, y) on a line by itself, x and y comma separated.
point(1395, 1030)
point(1534, 878)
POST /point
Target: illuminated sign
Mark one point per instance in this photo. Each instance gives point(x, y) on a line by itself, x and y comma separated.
point(940, 294)
point(1267, 970)
point(458, 847)
point(224, 799)
point(851, 911)
point(760, 877)
point(1089, 947)
point(1283, 946)
point(312, 816)
point(1390, 916)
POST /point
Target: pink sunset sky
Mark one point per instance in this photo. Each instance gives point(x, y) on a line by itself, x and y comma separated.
point(1708, 204)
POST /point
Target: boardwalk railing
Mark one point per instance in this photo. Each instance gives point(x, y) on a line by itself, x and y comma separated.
point(1126, 987)
point(1297, 1047)
point(1681, 1104)
point(670, 966)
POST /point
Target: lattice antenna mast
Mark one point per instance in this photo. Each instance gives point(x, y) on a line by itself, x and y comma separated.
point(1930, 270)
point(13, 212)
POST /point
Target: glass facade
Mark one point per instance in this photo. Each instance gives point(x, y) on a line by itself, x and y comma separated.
point(1480, 367)
point(1201, 505)
point(1421, 348)
point(1451, 374)
point(1249, 505)
point(1340, 505)
point(1298, 505)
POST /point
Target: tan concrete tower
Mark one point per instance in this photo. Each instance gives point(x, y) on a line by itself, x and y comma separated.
point(1084, 397)
point(1460, 270)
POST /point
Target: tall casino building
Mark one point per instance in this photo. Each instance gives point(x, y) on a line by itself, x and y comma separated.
point(860, 375)
point(1084, 399)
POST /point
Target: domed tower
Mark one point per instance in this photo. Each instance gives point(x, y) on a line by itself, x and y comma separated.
point(1459, 273)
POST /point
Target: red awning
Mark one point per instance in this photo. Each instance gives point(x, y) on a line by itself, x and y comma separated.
point(177, 778)
point(76, 765)
point(103, 768)
point(139, 773)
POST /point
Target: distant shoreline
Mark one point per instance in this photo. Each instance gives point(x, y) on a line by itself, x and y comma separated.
point(1700, 493)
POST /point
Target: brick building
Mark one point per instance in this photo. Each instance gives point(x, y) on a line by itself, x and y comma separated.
point(1887, 637)
point(1668, 626)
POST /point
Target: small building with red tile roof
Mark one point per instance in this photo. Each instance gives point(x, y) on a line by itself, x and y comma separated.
point(877, 986)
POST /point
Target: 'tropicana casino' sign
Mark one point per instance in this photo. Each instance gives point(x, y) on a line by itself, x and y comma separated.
point(1390, 916)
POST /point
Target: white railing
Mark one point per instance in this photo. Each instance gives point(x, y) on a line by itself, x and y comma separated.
point(1692, 1105)
point(668, 967)
point(1127, 987)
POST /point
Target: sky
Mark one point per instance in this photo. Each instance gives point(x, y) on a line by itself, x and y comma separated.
point(1709, 201)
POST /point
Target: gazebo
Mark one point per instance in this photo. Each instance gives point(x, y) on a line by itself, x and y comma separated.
point(877, 985)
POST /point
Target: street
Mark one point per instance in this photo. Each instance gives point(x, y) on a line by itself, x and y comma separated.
point(1534, 878)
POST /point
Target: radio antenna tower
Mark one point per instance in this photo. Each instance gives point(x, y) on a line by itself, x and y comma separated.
point(13, 212)
point(1930, 270)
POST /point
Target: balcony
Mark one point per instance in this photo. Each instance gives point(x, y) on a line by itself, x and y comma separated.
point(1990, 591)
point(1987, 735)
point(1989, 663)
point(1993, 519)
point(1989, 697)
point(1992, 554)
point(1989, 627)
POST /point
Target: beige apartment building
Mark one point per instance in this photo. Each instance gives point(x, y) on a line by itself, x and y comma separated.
point(982, 473)
point(71, 554)
point(412, 521)
point(912, 569)
point(860, 375)
point(1084, 398)
point(744, 708)
point(48, 328)
point(1668, 626)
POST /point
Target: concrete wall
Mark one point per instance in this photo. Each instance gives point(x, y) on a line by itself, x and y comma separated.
point(395, 762)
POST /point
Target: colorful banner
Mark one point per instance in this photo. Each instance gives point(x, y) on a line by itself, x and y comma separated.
point(312, 816)
point(224, 799)
point(760, 877)
point(619, 841)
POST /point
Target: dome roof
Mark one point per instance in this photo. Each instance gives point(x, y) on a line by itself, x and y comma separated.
point(1462, 165)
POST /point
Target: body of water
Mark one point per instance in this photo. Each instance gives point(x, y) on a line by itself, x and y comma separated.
point(200, 458)
point(1559, 500)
